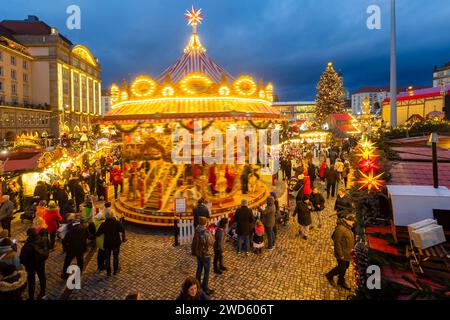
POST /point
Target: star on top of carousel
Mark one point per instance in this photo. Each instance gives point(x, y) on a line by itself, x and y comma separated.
point(194, 84)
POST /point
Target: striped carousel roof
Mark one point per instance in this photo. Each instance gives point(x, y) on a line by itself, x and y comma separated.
point(168, 109)
point(194, 59)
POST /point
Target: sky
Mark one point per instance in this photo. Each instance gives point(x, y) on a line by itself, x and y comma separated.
point(286, 42)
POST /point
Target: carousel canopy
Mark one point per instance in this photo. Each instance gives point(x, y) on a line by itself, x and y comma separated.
point(193, 87)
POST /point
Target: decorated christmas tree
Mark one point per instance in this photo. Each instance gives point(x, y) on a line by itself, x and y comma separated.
point(330, 95)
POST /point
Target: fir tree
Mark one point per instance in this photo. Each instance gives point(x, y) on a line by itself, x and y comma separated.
point(330, 95)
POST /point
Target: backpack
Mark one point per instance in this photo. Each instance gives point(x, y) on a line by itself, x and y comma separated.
point(199, 246)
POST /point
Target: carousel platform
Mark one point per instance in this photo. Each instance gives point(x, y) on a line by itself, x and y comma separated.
point(134, 213)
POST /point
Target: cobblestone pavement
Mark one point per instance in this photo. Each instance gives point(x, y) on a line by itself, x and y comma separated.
point(151, 265)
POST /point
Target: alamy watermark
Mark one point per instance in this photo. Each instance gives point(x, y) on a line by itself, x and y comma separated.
point(241, 146)
point(374, 20)
point(374, 279)
point(74, 19)
point(74, 279)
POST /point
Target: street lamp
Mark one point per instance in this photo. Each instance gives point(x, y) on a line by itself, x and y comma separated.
point(393, 67)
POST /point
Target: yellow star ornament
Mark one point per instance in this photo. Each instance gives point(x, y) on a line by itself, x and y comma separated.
point(370, 182)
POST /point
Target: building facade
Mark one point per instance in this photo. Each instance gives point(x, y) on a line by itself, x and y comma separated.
point(18, 113)
point(296, 111)
point(376, 96)
point(106, 101)
point(419, 104)
point(441, 75)
point(65, 78)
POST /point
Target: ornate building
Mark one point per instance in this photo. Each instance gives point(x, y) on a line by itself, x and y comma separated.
point(65, 79)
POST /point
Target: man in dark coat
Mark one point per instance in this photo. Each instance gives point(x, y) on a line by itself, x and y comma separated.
point(79, 195)
point(318, 204)
point(343, 203)
point(303, 213)
point(200, 210)
point(33, 255)
point(288, 168)
point(74, 244)
point(6, 213)
point(61, 197)
point(111, 229)
point(41, 191)
point(331, 176)
point(312, 173)
point(243, 219)
point(344, 241)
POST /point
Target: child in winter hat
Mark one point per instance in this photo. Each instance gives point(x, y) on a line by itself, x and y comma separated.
point(258, 237)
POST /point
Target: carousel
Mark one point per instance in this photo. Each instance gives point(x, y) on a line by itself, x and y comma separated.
point(193, 93)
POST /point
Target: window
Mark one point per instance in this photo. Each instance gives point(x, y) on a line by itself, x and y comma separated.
point(1, 86)
point(1, 56)
point(14, 88)
point(13, 74)
point(1, 71)
point(25, 77)
point(13, 60)
point(25, 64)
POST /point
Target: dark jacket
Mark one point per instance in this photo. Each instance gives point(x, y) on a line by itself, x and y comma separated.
point(344, 241)
point(61, 197)
point(33, 254)
point(75, 240)
point(268, 214)
point(112, 229)
point(243, 219)
point(331, 175)
point(220, 240)
point(200, 210)
point(316, 200)
point(6, 210)
point(41, 192)
point(342, 203)
point(312, 172)
point(303, 213)
point(79, 194)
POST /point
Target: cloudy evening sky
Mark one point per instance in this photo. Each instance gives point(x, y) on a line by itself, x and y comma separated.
point(287, 42)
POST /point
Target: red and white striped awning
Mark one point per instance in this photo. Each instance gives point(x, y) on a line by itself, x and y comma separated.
point(194, 61)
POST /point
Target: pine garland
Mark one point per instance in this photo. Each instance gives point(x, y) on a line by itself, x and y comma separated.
point(120, 128)
point(264, 124)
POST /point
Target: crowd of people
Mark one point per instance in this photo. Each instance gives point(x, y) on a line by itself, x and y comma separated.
point(256, 229)
point(67, 211)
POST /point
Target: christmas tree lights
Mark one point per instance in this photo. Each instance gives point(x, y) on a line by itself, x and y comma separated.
point(330, 95)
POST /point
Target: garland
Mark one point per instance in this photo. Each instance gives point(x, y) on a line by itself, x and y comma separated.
point(120, 128)
point(204, 128)
point(265, 124)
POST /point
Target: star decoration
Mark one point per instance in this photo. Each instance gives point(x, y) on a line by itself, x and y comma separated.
point(194, 16)
point(366, 144)
point(370, 182)
point(368, 164)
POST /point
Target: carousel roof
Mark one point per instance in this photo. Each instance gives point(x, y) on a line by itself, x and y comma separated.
point(193, 87)
point(194, 59)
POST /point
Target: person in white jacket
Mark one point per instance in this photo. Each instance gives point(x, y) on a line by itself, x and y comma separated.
point(339, 166)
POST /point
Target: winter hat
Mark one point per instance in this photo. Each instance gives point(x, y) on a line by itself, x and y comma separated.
point(52, 205)
point(273, 194)
point(244, 202)
point(259, 228)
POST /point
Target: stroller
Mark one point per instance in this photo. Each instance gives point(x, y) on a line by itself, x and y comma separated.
point(283, 218)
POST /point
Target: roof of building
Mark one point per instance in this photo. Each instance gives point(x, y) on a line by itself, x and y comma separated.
point(385, 89)
point(421, 93)
point(444, 67)
point(30, 26)
point(419, 174)
point(21, 161)
point(5, 32)
point(342, 116)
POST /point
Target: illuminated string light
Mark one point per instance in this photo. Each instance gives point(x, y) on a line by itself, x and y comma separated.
point(224, 91)
point(143, 87)
point(195, 83)
point(168, 91)
point(245, 85)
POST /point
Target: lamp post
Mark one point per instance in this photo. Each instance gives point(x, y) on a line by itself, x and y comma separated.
point(393, 67)
point(433, 141)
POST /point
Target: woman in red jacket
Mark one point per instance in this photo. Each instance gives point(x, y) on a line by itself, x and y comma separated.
point(52, 218)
